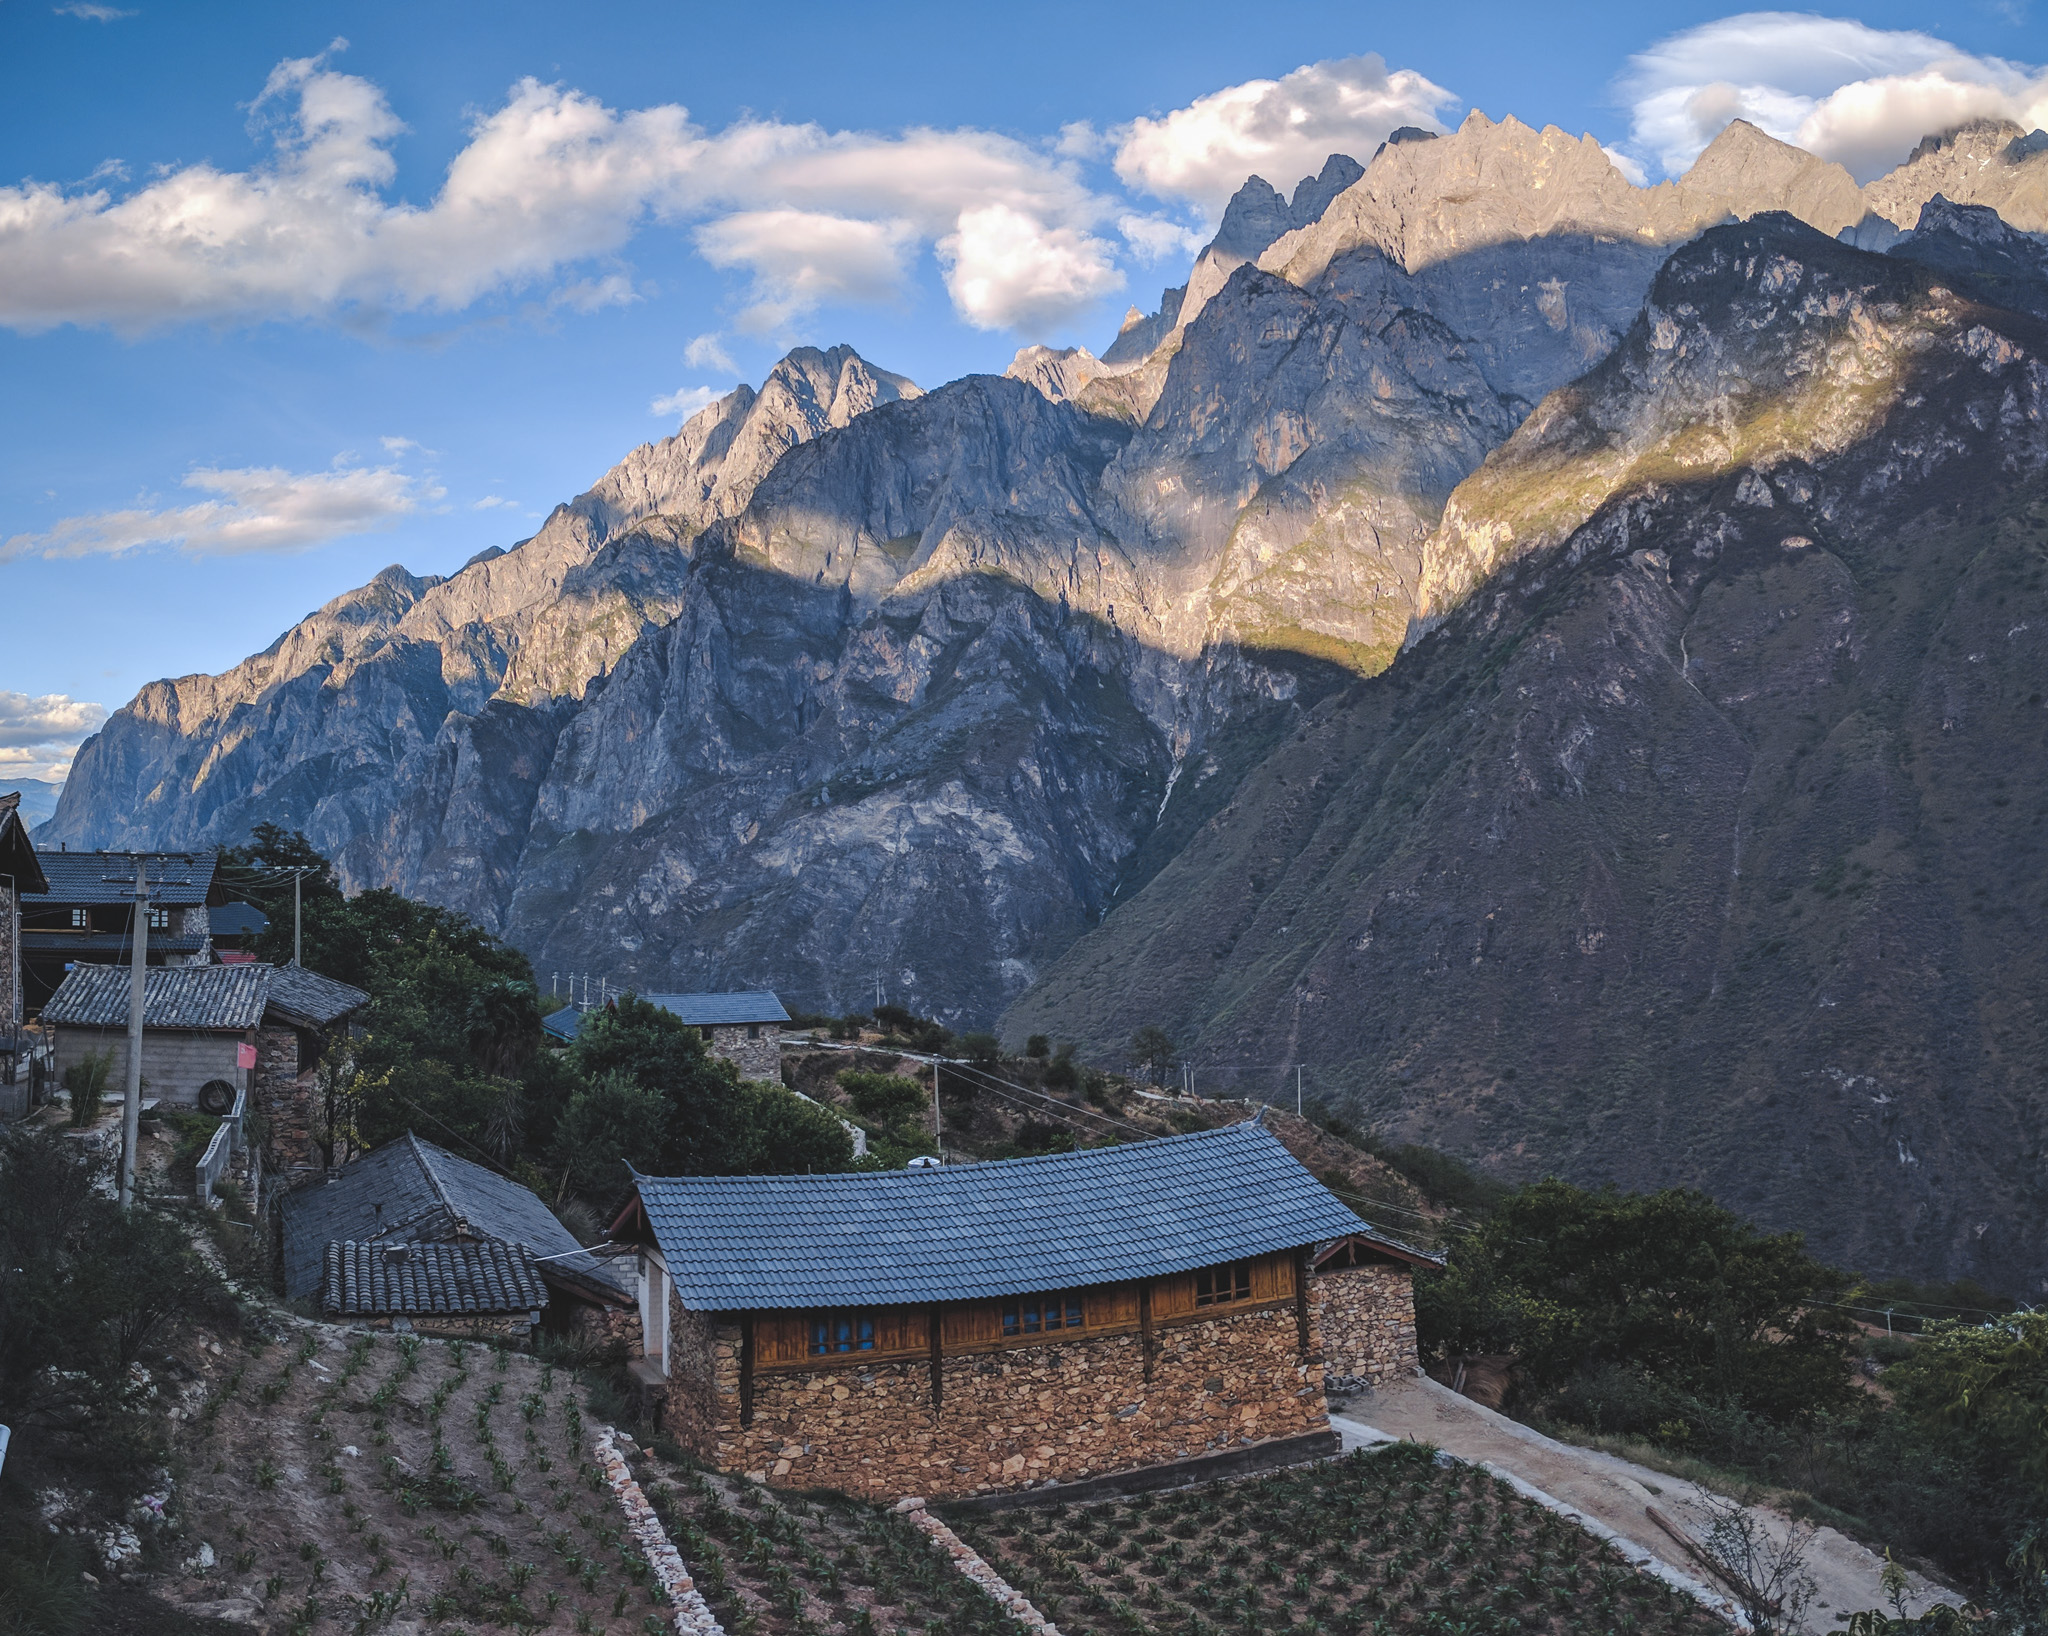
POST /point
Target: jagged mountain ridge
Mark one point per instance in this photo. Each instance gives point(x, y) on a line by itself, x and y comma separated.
point(1700, 841)
point(864, 686)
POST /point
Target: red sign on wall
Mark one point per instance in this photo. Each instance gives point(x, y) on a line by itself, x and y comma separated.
point(245, 1055)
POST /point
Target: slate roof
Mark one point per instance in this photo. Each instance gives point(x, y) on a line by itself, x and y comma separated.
point(364, 1280)
point(1060, 1221)
point(562, 1024)
point(81, 877)
point(308, 999)
point(18, 856)
point(710, 1010)
point(237, 920)
point(228, 998)
point(412, 1191)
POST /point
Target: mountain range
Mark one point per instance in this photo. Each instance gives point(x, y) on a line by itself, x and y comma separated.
point(1555, 658)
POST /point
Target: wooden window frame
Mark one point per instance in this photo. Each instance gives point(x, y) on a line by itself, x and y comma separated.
point(1029, 1317)
point(1228, 1284)
point(863, 1335)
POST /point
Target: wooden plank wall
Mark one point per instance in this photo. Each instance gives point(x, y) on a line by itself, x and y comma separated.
point(783, 1339)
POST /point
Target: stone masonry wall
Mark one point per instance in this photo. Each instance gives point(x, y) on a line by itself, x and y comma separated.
point(1010, 1418)
point(755, 1059)
point(513, 1328)
point(284, 1099)
point(10, 972)
point(1368, 1322)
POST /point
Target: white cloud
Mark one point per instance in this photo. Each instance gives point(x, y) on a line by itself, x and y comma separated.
point(256, 509)
point(1834, 86)
point(708, 352)
point(46, 719)
point(1154, 238)
point(90, 12)
point(47, 764)
point(491, 502)
point(687, 401)
point(550, 179)
point(1280, 129)
point(1006, 270)
point(398, 445)
point(801, 259)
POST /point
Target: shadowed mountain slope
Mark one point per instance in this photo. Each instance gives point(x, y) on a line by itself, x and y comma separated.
point(1702, 840)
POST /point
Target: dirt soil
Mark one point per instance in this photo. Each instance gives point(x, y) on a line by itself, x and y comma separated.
point(351, 1483)
point(1612, 1491)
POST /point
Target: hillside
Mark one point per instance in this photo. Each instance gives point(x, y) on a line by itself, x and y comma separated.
point(1694, 843)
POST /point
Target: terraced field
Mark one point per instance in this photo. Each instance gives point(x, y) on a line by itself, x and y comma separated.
point(1367, 1545)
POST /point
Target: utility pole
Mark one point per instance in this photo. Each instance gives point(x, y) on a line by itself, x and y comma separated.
point(1297, 1090)
point(298, 875)
point(131, 1106)
point(938, 1128)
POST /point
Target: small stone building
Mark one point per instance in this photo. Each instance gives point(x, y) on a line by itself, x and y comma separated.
point(745, 1029)
point(210, 1032)
point(410, 1192)
point(965, 1330)
point(483, 1290)
point(1368, 1308)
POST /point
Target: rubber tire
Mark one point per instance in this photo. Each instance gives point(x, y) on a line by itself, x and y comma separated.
point(216, 1096)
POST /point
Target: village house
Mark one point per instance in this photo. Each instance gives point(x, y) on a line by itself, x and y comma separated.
point(84, 914)
point(486, 1256)
point(957, 1331)
point(210, 1033)
point(745, 1029)
point(20, 873)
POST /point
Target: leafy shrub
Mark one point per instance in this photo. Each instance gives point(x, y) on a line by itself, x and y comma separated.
point(86, 1083)
point(888, 1099)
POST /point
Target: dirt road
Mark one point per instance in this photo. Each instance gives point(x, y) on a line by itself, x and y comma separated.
point(1611, 1492)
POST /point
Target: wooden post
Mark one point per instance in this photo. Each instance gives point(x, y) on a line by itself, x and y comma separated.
point(1301, 1258)
point(934, 1321)
point(1145, 1325)
point(746, 1370)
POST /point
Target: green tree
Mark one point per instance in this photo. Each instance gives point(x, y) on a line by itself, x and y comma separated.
point(1152, 1049)
point(1038, 1047)
point(791, 1136)
point(888, 1099)
point(1670, 1284)
point(613, 1123)
point(984, 1050)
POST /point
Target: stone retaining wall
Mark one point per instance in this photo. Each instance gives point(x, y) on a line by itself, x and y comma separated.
point(1008, 1417)
point(1368, 1322)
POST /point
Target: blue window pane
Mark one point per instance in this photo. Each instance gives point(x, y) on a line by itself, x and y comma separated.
point(867, 1334)
point(1011, 1322)
point(1073, 1313)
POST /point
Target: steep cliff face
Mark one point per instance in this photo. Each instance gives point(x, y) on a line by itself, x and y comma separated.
point(1696, 843)
point(1534, 649)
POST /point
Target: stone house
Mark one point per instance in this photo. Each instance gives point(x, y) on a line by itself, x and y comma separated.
point(20, 873)
point(745, 1029)
point(480, 1289)
point(1368, 1309)
point(967, 1330)
point(209, 1032)
point(410, 1192)
point(84, 917)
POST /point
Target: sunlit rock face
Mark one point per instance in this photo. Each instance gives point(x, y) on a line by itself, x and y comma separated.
point(1450, 634)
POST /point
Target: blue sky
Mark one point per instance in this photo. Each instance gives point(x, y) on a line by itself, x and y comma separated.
point(288, 293)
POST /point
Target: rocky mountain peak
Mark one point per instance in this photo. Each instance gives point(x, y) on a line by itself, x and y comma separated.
point(1060, 374)
point(1987, 162)
point(1745, 171)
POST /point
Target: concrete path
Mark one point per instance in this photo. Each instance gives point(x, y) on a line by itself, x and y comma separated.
point(1611, 1493)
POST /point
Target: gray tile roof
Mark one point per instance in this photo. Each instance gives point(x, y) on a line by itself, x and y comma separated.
point(310, 1000)
point(109, 946)
point(237, 920)
point(18, 856)
point(82, 877)
point(412, 1191)
point(709, 1010)
point(365, 1280)
point(1063, 1221)
point(231, 998)
point(227, 998)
